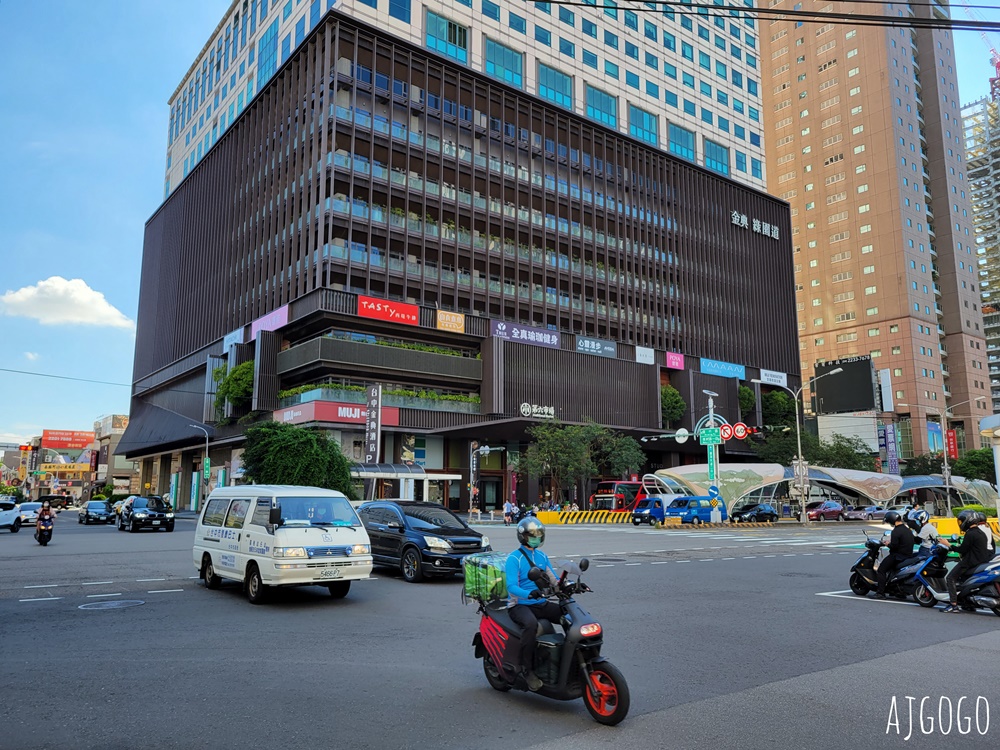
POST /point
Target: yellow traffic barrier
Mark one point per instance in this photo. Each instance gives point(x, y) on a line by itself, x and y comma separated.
point(567, 517)
point(948, 526)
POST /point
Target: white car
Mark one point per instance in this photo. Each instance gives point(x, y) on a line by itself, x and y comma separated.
point(10, 514)
point(29, 513)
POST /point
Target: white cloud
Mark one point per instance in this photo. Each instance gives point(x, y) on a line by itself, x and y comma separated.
point(57, 301)
point(31, 356)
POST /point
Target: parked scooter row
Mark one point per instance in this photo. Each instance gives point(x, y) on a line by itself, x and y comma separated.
point(924, 577)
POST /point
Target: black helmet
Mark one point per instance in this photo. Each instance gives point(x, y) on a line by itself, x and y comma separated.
point(531, 532)
point(969, 518)
point(891, 517)
point(916, 519)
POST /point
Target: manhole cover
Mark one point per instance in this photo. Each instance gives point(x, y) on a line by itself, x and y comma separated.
point(117, 604)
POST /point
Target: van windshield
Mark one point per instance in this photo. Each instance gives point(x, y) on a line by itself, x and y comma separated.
point(680, 502)
point(320, 511)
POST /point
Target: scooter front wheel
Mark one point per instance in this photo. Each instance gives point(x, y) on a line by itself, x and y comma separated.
point(606, 696)
point(923, 596)
point(493, 676)
point(859, 585)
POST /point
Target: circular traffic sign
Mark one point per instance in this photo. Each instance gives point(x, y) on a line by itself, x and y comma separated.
point(726, 431)
point(740, 431)
point(681, 435)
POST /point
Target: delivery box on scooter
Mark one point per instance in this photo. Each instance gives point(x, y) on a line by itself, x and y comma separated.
point(485, 576)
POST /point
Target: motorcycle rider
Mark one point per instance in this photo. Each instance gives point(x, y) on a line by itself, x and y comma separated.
point(976, 548)
point(926, 532)
point(900, 548)
point(529, 604)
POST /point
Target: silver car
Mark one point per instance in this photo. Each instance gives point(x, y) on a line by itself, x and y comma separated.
point(866, 513)
point(29, 513)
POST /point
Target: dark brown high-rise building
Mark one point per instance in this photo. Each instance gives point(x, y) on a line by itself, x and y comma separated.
point(381, 214)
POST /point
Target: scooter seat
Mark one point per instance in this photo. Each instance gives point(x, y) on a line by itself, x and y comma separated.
point(980, 568)
point(501, 615)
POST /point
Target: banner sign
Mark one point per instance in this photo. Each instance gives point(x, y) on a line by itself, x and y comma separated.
point(336, 412)
point(645, 356)
point(935, 437)
point(394, 312)
point(270, 322)
point(473, 471)
point(524, 334)
point(772, 377)
point(675, 361)
point(450, 321)
point(891, 451)
point(53, 468)
point(59, 439)
point(951, 438)
point(885, 383)
point(232, 339)
point(600, 347)
point(373, 424)
point(723, 369)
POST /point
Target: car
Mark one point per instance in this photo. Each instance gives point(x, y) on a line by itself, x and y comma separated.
point(10, 514)
point(420, 539)
point(96, 511)
point(145, 513)
point(826, 510)
point(618, 496)
point(29, 513)
point(865, 512)
point(754, 512)
point(58, 501)
point(901, 509)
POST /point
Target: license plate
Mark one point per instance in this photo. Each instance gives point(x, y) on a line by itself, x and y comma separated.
point(103, 518)
point(156, 523)
point(330, 573)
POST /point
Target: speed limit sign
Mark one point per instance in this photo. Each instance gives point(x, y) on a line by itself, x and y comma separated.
point(726, 431)
point(740, 431)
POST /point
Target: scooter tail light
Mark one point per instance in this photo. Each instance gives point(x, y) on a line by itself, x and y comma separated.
point(590, 630)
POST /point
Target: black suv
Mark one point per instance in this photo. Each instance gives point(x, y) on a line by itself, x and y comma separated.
point(754, 511)
point(421, 539)
point(96, 511)
point(57, 501)
point(145, 513)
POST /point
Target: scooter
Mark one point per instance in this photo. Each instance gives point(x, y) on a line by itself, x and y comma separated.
point(980, 589)
point(43, 534)
point(864, 577)
point(569, 663)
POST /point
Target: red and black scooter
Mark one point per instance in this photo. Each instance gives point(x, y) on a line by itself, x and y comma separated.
point(569, 663)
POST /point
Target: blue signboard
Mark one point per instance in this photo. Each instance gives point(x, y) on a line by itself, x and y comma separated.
point(600, 347)
point(723, 369)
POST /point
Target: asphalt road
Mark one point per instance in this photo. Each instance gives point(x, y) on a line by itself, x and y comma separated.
point(720, 634)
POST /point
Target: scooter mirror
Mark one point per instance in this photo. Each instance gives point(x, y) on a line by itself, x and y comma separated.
point(535, 574)
point(584, 563)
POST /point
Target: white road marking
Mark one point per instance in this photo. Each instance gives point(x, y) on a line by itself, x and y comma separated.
point(146, 580)
point(770, 555)
point(840, 595)
point(95, 583)
point(608, 565)
point(728, 558)
point(164, 591)
point(683, 561)
point(46, 586)
point(41, 599)
point(97, 596)
point(628, 564)
point(791, 555)
point(808, 554)
point(639, 552)
point(750, 557)
point(659, 550)
point(707, 559)
point(194, 578)
point(660, 562)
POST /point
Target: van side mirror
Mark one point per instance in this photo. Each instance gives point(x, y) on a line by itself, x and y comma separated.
point(274, 516)
point(584, 564)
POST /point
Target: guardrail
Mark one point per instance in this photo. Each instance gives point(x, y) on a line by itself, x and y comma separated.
point(565, 517)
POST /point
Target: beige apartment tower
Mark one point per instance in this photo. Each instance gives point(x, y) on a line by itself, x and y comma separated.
point(867, 147)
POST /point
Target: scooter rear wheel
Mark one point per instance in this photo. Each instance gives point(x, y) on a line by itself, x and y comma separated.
point(923, 596)
point(493, 676)
point(612, 702)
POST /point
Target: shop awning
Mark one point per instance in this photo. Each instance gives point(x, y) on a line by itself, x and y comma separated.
point(388, 471)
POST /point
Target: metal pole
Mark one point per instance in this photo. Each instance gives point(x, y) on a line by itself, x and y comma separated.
point(711, 423)
point(204, 461)
point(803, 483)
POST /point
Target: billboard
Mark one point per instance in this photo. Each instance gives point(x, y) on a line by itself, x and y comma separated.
point(393, 312)
point(450, 321)
point(723, 369)
point(270, 322)
point(860, 425)
point(524, 334)
point(599, 347)
point(66, 439)
point(848, 391)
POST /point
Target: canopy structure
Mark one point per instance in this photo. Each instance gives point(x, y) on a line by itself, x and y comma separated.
point(388, 471)
point(407, 474)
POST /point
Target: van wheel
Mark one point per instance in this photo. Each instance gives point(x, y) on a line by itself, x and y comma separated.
point(410, 566)
point(696, 521)
point(212, 581)
point(256, 590)
point(339, 590)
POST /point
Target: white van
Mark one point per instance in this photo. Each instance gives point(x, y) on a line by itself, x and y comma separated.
point(281, 535)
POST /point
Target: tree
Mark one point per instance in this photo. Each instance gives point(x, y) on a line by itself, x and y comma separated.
point(287, 454)
point(236, 387)
point(842, 452)
point(927, 463)
point(976, 464)
point(561, 452)
point(614, 454)
point(672, 404)
point(778, 409)
point(748, 403)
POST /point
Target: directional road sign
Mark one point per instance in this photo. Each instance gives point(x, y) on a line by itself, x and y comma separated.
point(710, 436)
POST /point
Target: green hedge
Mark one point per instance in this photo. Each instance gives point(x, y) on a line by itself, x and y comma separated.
point(432, 395)
point(990, 512)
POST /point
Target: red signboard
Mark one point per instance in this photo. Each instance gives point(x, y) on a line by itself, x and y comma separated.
point(66, 439)
point(332, 411)
point(951, 439)
point(394, 312)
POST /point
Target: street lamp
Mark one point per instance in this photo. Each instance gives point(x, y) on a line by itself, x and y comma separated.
point(801, 469)
point(942, 416)
point(204, 461)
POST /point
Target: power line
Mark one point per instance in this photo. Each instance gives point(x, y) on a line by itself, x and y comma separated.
point(63, 377)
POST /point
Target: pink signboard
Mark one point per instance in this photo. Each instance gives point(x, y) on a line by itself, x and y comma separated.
point(675, 361)
point(270, 322)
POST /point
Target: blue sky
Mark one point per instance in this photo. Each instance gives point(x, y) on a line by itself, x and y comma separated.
point(84, 116)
